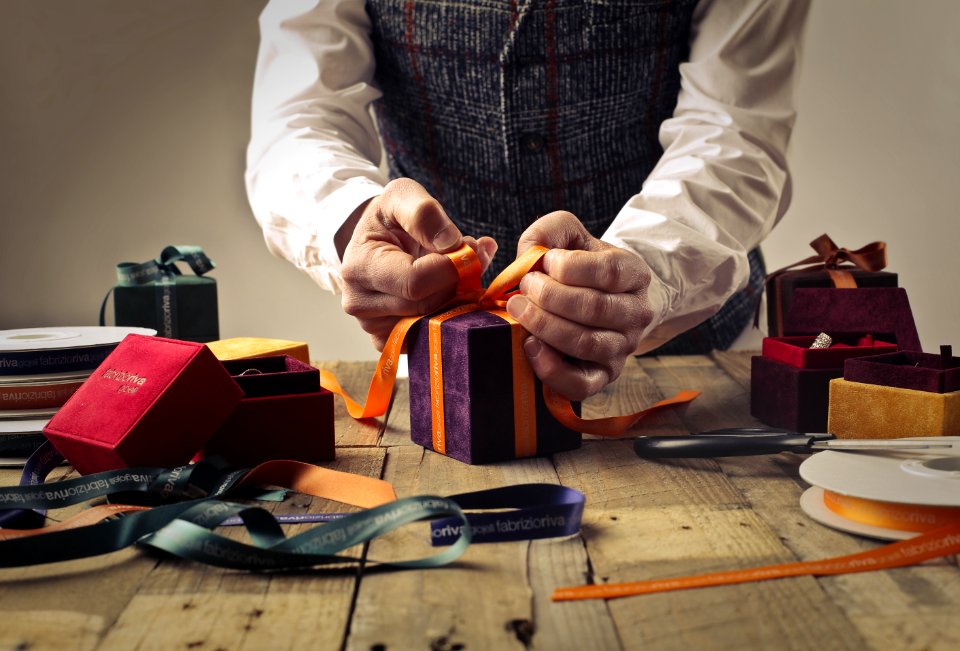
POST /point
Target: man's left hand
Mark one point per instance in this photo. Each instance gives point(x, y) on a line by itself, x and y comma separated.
point(585, 312)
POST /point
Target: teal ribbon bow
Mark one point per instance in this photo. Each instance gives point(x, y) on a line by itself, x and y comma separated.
point(162, 270)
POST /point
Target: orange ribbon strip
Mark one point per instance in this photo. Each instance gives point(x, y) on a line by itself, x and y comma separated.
point(941, 538)
point(471, 296)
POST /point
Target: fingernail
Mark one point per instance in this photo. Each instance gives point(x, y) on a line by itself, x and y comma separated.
point(532, 347)
point(447, 238)
point(516, 305)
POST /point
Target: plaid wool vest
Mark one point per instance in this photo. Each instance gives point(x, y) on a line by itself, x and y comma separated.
point(505, 110)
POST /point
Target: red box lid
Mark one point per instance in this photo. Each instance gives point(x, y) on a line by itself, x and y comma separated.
point(152, 402)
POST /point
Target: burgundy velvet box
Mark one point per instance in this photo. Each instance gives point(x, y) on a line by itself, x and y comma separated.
point(781, 291)
point(152, 402)
point(797, 398)
point(907, 370)
point(477, 392)
point(796, 351)
point(285, 414)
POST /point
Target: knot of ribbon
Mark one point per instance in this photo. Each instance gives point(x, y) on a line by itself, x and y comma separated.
point(471, 296)
point(164, 267)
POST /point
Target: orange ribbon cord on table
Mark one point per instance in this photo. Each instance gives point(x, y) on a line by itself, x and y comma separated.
point(470, 297)
point(941, 537)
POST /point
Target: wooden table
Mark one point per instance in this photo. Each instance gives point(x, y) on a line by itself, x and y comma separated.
point(642, 520)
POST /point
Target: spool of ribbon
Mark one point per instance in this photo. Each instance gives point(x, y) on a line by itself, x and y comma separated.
point(940, 537)
point(472, 296)
point(836, 261)
point(163, 271)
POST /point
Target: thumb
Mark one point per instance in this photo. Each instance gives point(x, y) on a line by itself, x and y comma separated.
point(556, 230)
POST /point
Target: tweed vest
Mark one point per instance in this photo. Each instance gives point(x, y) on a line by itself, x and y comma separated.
point(506, 110)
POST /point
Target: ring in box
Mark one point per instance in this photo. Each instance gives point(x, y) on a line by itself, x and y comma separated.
point(285, 414)
point(790, 382)
point(892, 396)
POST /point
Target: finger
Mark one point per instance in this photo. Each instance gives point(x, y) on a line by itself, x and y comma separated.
point(606, 347)
point(573, 381)
point(407, 204)
point(587, 306)
point(389, 270)
point(610, 269)
point(559, 229)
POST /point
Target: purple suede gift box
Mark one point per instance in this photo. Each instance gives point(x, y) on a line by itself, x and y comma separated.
point(798, 398)
point(907, 370)
point(477, 392)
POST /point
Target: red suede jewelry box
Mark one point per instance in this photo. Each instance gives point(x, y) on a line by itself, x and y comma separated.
point(285, 414)
point(478, 395)
point(152, 402)
point(790, 384)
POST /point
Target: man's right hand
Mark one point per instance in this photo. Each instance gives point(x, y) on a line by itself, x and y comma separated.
point(393, 264)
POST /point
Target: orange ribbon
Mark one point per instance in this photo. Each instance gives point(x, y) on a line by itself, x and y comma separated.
point(941, 537)
point(901, 517)
point(470, 297)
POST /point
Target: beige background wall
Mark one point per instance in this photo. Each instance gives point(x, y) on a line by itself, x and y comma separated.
point(123, 125)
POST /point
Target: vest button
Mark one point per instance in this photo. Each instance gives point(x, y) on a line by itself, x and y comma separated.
point(531, 142)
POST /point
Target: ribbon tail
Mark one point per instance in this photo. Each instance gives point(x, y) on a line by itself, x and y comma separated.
point(610, 426)
point(381, 385)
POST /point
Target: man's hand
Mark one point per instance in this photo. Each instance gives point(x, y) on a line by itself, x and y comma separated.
point(585, 312)
point(392, 265)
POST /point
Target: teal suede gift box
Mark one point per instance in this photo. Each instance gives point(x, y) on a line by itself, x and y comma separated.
point(156, 294)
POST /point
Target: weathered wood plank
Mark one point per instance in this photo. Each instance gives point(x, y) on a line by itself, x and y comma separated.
point(495, 597)
point(649, 520)
point(632, 391)
point(85, 595)
point(177, 603)
point(736, 364)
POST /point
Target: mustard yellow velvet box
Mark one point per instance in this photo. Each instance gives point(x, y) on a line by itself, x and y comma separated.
point(897, 395)
point(254, 347)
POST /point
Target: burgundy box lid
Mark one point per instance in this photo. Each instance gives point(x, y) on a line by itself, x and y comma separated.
point(883, 312)
point(908, 370)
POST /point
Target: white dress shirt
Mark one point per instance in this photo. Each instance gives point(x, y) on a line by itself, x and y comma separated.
point(719, 188)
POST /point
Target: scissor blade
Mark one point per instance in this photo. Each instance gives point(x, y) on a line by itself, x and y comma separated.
point(949, 448)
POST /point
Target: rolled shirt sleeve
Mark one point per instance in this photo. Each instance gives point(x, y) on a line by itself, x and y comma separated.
point(314, 151)
point(722, 182)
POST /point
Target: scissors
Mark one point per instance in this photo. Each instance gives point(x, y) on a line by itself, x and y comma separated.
point(746, 441)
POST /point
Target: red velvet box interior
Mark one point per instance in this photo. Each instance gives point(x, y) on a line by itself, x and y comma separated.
point(907, 370)
point(796, 351)
point(152, 402)
point(285, 414)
